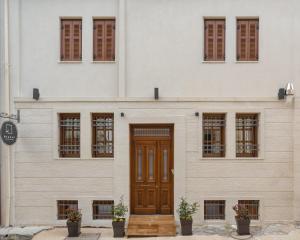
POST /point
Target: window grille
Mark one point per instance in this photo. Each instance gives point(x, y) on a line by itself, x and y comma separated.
point(63, 206)
point(151, 132)
point(214, 209)
point(103, 134)
point(69, 125)
point(246, 135)
point(102, 209)
point(214, 135)
point(253, 208)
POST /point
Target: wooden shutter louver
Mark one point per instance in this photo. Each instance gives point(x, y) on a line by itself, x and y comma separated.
point(247, 40)
point(214, 40)
point(104, 40)
point(71, 35)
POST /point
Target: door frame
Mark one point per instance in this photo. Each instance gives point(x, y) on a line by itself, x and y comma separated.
point(131, 157)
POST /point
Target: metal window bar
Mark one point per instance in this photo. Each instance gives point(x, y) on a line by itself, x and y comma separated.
point(69, 135)
point(214, 135)
point(246, 135)
point(102, 209)
point(214, 209)
point(103, 134)
point(253, 208)
point(63, 206)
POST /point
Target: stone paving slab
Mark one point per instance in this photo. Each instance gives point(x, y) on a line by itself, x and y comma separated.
point(20, 233)
point(85, 236)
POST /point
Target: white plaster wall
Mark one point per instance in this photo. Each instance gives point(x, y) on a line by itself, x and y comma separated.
point(39, 55)
point(165, 48)
point(41, 177)
point(163, 41)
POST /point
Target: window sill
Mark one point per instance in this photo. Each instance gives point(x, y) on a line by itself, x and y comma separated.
point(214, 221)
point(69, 61)
point(247, 61)
point(231, 159)
point(214, 62)
point(103, 61)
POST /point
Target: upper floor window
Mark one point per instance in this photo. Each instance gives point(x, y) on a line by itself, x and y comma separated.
point(104, 40)
point(246, 135)
point(69, 125)
point(247, 39)
point(214, 40)
point(70, 39)
point(213, 135)
point(103, 134)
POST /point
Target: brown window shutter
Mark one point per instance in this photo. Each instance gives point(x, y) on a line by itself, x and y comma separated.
point(77, 29)
point(242, 40)
point(110, 40)
point(98, 51)
point(209, 40)
point(66, 39)
point(214, 40)
point(253, 40)
point(220, 40)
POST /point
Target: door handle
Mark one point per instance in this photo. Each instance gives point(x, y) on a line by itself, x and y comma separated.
point(172, 170)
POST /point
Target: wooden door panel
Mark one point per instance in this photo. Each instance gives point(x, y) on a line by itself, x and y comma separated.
point(151, 175)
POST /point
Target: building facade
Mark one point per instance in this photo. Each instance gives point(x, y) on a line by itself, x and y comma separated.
point(214, 131)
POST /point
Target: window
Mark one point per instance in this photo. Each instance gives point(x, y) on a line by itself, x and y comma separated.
point(247, 39)
point(213, 135)
point(246, 135)
point(103, 134)
point(104, 40)
point(214, 209)
point(214, 41)
point(69, 124)
point(70, 43)
point(253, 208)
point(102, 209)
point(63, 206)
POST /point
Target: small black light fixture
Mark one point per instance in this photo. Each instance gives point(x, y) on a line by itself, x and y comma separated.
point(281, 93)
point(36, 94)
point(156, 93)
point(122, 114)
point(196, 114)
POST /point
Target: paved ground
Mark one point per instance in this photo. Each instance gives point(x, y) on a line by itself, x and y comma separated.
point(274, 232)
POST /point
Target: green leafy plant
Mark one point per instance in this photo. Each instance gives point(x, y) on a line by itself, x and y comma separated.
point(186, 210)
point(74, 215)
point(241, 211)
point(119, 211)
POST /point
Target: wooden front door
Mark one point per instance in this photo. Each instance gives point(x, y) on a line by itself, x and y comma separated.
point(152, 169)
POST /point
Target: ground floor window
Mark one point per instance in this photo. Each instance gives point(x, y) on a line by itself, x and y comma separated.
point(253, 208)
point(102, 209)
point(214, 209)
point(103, 134)
point(69, 127)
point(63, 206)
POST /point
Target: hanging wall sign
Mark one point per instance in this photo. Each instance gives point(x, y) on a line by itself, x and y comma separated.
point(9, 133)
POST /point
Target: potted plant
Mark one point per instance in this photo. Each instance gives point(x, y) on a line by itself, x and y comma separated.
point(74, 222)
point(185, 211)
point(118, 223)
point(242, 219)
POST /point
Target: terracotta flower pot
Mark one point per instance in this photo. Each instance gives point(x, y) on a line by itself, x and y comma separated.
point(243, 226)
point(74, 228)
point(119, 228)
point(186, 227)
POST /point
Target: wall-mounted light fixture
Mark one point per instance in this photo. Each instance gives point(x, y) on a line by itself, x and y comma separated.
point(36, 94)
point(287, 91)
point(156, 93)
point(196, 114)
point(122, 114)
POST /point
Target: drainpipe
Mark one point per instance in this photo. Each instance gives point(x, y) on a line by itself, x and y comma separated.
point(6, 155)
